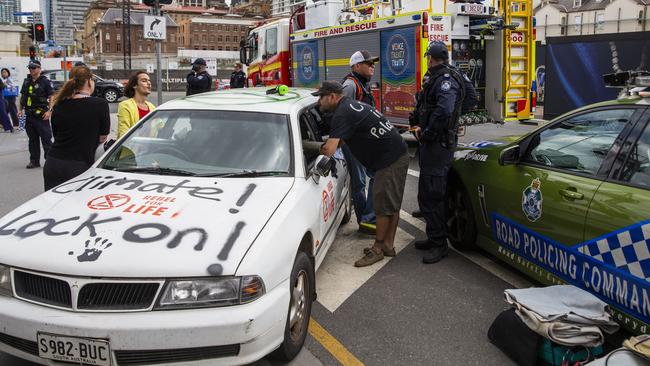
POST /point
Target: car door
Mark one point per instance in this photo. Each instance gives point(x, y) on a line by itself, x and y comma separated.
point(550, 191)
point(329, 190)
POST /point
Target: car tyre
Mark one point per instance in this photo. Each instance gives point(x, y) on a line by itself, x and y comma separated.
point(301, 293)
point(461, 226)
point(110, 95)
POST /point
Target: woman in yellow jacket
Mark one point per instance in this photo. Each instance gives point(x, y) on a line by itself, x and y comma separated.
point(130, 111)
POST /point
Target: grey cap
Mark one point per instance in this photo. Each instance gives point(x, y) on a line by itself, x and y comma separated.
point(329, 87)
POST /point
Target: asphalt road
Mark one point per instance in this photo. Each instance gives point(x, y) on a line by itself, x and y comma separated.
point(398, 312)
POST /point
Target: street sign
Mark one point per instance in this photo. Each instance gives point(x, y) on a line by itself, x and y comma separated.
point(64, 36)
point(155, 27)
point(23, 14)
point(37, 16)
point(172, 65)
point(63, 20)
point(109, 65)
point(149, 68)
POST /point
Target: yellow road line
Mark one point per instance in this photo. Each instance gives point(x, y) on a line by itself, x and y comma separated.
point(332, 345)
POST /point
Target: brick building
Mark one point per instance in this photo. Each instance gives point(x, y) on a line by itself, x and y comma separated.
point(222, 34)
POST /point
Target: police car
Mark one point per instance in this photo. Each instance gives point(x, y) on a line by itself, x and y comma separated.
point(193, 240)
point(569, 202)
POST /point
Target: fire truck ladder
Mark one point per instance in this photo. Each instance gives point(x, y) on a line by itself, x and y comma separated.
point(518, 59)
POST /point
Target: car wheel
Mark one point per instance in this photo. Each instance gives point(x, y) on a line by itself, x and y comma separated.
point(110, 95)
point(302, 288)
point(461, 227)
point(348, 207)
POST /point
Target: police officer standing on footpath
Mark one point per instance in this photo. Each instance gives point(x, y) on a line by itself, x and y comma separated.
point(440, 102)
point(35, 92)
point(198, 80)
point(238, 77)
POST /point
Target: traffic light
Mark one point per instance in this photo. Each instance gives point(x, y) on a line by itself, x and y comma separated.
point(32, 53)
point(153, 2)
point(39, 32)
point(30, 31)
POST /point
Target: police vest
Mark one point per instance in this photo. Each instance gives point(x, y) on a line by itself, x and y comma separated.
point(362, 94)
point(36, 94)
point(426, 103)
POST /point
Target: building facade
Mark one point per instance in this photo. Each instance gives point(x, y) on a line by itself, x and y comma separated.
point(222, 34)
point(252, 8)
point(558, 18)
point(10, 42)
point(7, 10)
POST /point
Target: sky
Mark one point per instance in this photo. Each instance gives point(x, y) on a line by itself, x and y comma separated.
point(29, 5)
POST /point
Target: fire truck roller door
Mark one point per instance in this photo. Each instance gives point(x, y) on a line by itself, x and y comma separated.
point(308, 63)
point(339, 49)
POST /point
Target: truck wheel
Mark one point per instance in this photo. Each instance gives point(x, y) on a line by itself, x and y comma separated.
point(461, 227)
point(301, 292)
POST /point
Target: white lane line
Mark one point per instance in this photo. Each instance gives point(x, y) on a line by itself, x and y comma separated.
point(337, 278)
point(414, 173)
point(484, 262)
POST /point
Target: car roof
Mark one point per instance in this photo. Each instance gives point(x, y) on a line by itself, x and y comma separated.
point(244, 99)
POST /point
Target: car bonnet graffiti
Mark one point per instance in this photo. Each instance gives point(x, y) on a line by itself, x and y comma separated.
point(114, 224)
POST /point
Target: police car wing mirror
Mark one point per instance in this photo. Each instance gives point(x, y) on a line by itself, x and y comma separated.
point(322, 166)
point(509, 155)
point(242, 55)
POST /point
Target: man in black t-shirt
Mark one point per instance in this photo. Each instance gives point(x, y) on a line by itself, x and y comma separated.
point(379, 147)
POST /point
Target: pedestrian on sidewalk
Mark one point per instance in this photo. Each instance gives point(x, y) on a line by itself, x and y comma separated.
point(356, 85)
point(4, 117)
point(238, 77)
point(198, 80)
point(380, 148)
point(80, 122)
point(10, 93)
point(34, 104)
point(130, 111)
point(444, 94)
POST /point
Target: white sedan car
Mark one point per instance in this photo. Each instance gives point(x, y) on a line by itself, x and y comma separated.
point(193, 240)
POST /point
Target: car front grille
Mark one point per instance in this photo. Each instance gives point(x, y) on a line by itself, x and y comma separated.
point(19, 344)
point(90, 295)
point(46, 290)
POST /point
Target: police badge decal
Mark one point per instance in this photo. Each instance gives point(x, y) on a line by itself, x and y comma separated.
point(531, 202)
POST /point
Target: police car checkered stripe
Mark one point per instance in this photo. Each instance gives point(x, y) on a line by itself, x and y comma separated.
point(627, 250)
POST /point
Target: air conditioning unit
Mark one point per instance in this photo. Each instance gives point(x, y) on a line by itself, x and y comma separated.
point(321, 14)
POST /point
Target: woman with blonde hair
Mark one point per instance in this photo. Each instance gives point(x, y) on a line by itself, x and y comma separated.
point(80, 122)
point(130, 111)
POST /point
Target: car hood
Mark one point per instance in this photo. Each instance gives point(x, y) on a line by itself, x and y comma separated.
point(112, 224)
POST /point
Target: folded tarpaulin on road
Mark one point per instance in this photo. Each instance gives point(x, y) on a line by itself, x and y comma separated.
point(564, 314)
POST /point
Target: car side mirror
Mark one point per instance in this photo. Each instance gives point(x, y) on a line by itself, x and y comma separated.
point(509, 155)
point(322, 166)
point(243, 57)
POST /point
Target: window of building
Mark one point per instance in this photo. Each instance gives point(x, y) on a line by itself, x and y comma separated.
point(577, 23)
point(220, 38)
point(600, 21)
point(227, 48)
point(118, 37)
point(139, 48)
point(577, 3)
point(562, 26)
point(108, 36)
point(118, 47)
point(107, 47)
point(227, 38)
point(148, 48)
point(204, 38)
point(219, 27)
point(219, 48)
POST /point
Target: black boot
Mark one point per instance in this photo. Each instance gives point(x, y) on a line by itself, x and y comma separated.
point(435, 254)
point(423, 244)
point(416, 213)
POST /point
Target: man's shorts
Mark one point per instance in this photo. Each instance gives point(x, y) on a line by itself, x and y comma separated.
point(389, 187)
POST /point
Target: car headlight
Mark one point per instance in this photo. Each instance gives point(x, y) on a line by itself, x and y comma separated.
point(5, 281)
point(210, 292)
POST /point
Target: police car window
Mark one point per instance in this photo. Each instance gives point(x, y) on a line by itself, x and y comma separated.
point(205, 142)
point(637, 166)
point(271, 41)
point(579, 143)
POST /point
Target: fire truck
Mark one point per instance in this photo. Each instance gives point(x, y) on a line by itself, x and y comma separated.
point(492, 41)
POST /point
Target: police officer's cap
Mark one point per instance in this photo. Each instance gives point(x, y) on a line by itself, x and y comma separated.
point(34, 64)
point(199, 61)
point(79, 63)
point(438, 50)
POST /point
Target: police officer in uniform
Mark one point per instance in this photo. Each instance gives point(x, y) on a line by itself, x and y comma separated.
point(198, 80)
point(35, 92)
point(238, 77)
point(444, 94)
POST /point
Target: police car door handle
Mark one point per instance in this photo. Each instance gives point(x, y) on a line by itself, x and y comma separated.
point(571, 194)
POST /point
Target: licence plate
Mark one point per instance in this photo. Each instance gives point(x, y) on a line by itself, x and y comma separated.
point(75, 350)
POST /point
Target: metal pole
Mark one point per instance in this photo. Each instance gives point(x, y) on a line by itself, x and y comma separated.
point(158, 66)
point(65, 63)
point(125, 23)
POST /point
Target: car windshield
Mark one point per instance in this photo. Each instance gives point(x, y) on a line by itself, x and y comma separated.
point(206, 143)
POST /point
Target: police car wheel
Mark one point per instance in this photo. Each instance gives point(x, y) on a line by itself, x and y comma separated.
point(110, 95)
point(461, 227)
point(301, 292)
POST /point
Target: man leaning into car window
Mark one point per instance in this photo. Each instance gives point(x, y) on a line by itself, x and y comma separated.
point(379, 147)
